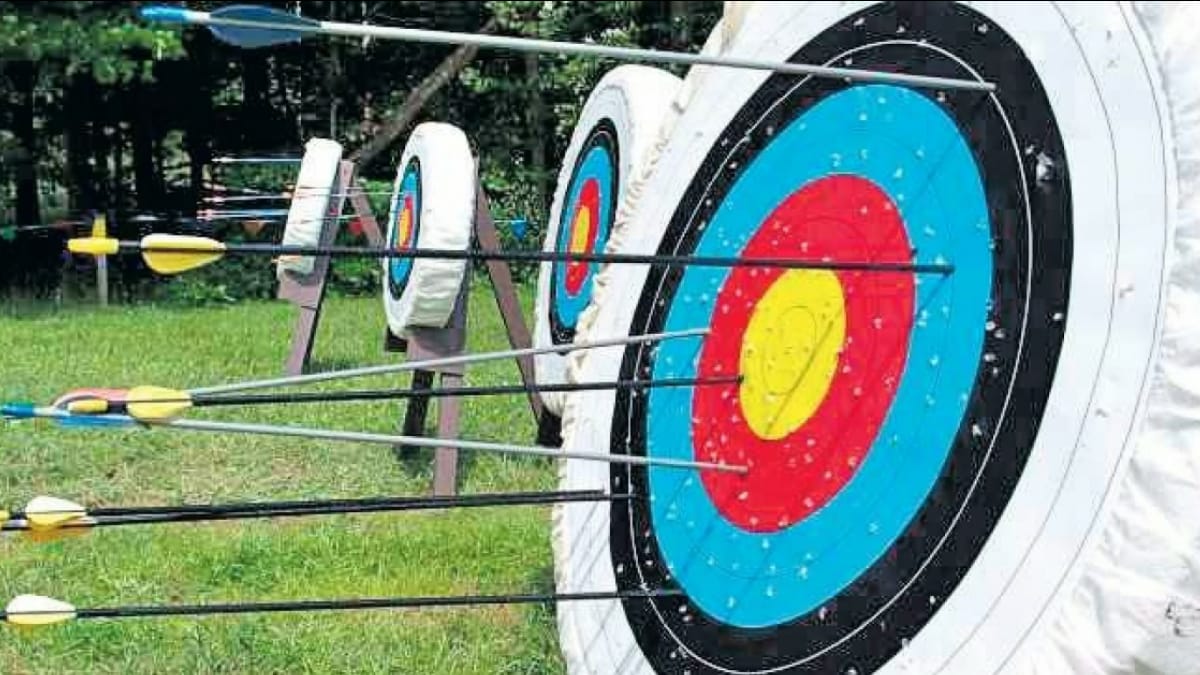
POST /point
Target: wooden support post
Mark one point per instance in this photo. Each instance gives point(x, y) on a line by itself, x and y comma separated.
point(430, 343)
point(308, 291)
point(506, 296)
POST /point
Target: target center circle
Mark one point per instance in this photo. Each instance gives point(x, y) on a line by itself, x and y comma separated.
point(789, 352)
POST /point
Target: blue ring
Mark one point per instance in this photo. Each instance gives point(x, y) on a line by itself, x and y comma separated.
point(597, 164)
point(410, 185)
point(910, 148)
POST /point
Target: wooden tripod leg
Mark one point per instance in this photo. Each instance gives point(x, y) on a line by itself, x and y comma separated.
point(445, 461)
point(416, 411)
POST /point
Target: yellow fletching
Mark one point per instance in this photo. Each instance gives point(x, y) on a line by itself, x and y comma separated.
point(157, 403)
point(93, 246)
point(88, 406)
point(175, 253)
point(58, 534)
point(100, 226)
point(37, 610)
point(4, 516)
point(51, 513)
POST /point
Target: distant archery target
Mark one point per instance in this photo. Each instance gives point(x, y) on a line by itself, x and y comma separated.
point(308, 214)
point(609, 148)
point(928, 454)
point(433, 208)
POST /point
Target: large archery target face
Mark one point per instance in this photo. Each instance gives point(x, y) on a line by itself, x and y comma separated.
point(583, 228)
point(920, 487)
point(405, 226)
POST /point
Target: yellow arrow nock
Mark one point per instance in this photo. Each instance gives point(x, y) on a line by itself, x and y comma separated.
point(95, 246)
point(88, 406)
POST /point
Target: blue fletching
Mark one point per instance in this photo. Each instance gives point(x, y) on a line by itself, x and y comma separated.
point(251, 38)
point(164, 14)
point(92, 422)
point(21, 411)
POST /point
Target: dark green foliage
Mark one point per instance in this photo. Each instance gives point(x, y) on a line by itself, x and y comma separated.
point(101, 111)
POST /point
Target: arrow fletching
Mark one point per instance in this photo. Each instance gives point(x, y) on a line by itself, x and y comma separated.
point(157, 404)
point(37, 610)
point(287, 28)
point(179, 253)
point(51, 513)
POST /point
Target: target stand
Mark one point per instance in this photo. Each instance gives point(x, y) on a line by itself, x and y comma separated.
point(307, 291)
point(423, 343)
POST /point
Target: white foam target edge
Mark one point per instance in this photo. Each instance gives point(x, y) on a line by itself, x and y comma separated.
point(447, 217)
point(637, 100)
point(1099, 542)
point(310, 202)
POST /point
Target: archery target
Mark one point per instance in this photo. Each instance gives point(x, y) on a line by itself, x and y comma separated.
point(936, 461)
point(309, 209)
point(433, 207)
point(608, 149)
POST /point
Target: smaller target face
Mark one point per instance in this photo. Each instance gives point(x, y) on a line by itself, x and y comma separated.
point(406, 226)
point(583, 228)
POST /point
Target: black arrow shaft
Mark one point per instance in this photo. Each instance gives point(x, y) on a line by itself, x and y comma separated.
point(192, 512)
point(497, 390)
point(560, 256)
point(417, 602)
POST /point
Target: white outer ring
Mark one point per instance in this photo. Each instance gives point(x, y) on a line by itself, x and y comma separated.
point(447, 220)
point(307, 214)
point(637, 100)
point(1119, 144)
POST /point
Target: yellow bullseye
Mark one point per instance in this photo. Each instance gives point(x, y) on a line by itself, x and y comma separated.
point(790, 351)
point(579, 231)
point(404, 227)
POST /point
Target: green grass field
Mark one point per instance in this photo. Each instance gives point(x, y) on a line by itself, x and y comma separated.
point(474, 551)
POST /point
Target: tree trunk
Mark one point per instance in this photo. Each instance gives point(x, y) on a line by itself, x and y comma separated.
point(198, 136)
point(81, 180)
point(24, 77)
point(100, 149)
point(398, 122)
point(681, 24)
point(256, 108)
point(145, 176)
point(536, 133)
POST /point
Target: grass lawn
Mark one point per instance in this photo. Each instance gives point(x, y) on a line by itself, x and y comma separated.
point(497, 550)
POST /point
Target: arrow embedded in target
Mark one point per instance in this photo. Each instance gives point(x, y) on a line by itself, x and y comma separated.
point(148, 403)
point(175, 254)
point(37, 610)
point(52, 518)
point(252, 26)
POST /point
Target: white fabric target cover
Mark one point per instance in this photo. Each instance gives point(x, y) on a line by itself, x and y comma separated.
point(446, 220)
point(636, 101)
point(310, 202)
point(1094, 565)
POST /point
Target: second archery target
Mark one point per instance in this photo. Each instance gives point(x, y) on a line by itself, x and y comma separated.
point(608, 149)
point(933, 457)
point(433, 208)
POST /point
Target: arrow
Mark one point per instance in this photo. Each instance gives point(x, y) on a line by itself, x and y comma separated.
point(37, 610)
point(51, 518)
point(251, 26)
point(25, 411)
point(147, 403)
point(240, 160)
point(174, 254)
